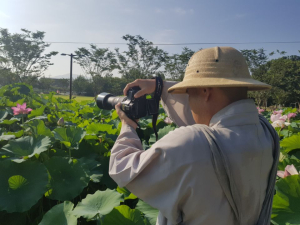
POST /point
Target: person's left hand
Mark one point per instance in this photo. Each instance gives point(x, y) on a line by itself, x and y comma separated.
point(124, 118)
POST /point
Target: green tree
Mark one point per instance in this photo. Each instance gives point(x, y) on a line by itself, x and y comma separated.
point(284, 74)
point(258, 63)
point(176, 64)
point(23, 53)
point(142, 60)
point(97, 63)
point(81, 85)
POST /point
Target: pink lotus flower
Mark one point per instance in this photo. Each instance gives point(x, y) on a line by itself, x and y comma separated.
point(278, 117)
point(21, 109)
point(278, 123)
point(167, 120)
point(260, 110)
point(278, 112)
point(289, 170)
point(291, 115)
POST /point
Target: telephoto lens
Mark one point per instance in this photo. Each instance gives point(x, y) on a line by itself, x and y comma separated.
point(108, 101)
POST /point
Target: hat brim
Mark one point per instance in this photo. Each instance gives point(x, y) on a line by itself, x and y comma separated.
point(251, 84)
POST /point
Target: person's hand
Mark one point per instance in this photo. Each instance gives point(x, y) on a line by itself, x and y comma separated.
point(124, 118)
point(147, 87)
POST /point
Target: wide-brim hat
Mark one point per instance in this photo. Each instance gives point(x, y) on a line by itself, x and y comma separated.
point(217, 67)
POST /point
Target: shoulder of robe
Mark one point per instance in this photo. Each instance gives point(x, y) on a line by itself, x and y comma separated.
point(186, 136)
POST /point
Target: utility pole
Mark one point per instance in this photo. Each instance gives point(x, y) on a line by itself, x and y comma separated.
point(71, 70)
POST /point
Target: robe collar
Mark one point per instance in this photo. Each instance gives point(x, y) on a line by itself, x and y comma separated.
point(243, 112)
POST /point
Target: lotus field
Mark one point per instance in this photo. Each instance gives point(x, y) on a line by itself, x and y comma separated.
point(54, 157)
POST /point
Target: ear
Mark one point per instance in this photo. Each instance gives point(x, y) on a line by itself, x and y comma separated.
point(207, 93)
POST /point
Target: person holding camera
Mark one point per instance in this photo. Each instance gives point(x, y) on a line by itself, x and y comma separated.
point(219, 166)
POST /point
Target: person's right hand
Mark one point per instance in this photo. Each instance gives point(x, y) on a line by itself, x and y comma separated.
point(147, 86)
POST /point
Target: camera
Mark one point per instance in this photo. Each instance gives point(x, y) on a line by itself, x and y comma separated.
point(134, 108)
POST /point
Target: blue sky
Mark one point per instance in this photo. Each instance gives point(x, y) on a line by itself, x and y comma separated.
point(159, 21)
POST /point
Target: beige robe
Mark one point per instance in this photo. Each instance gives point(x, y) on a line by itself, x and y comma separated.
point(176, 174)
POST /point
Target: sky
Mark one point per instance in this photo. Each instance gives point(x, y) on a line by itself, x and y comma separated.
point(159, 21)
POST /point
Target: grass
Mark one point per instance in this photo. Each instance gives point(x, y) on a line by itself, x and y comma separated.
point(77, 98)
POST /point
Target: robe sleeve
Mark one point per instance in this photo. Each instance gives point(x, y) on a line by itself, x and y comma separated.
point(156, 175)
point(177, 106)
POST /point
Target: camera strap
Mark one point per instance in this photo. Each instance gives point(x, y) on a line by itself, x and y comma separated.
point(157, 95)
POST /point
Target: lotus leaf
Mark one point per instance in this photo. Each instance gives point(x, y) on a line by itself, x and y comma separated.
point(70, 136)
point(37, 112)
point(27, 146)
point(101, 203)
point(124, 215)
point(95, 128)
point(38, 128)
point(21, 185)
point(16, 134)
point(126, 192)
point(286, 204)
point(3, 114)
point(60, 214)
point(150, 212)
point(291, 143)
point(68, 179)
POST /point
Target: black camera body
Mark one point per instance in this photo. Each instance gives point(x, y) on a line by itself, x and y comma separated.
point(134, 108)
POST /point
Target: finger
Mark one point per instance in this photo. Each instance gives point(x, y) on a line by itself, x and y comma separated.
point(140, 93)
point(130, 85)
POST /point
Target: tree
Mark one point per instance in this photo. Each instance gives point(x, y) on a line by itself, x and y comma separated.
point(258, 63)
point(23, 54)
point(81, 85)
point(284, 73)
point(45, 83)
point(176, 64)
point(142, 58)
point(97, 63)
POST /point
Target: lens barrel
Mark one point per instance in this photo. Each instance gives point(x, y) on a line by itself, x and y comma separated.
point(108, 101)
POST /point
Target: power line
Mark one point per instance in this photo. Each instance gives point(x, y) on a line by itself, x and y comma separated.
point(196, 43)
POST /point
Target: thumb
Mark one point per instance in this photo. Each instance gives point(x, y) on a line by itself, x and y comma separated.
point(140, 93)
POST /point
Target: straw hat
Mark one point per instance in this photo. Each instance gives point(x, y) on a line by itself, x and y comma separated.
point(217, 67)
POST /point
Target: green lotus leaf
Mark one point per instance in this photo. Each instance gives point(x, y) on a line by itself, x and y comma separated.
point(92, 167)
point(127, 194)
point(124, 215)
point(3, 114)
point(95, 128)
point(27, 146)
point(9, 122)
point(150, 212)
point(21, 185)
point(286, 202)
point(161, 132)
point(68, 178)
point(106, 179)
point(38, 128)
point(7, 137)
point(60, 214)
point(100, 203)
point(37, 112)
point(291, 143)
point(70, 136)
point(16, 134)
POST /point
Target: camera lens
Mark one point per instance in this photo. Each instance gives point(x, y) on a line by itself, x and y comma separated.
point(108, 101)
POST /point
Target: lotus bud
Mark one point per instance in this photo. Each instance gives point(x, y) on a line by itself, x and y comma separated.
point(61, 122)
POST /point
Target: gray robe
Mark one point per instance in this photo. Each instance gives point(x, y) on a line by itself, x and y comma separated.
point(176, 174)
